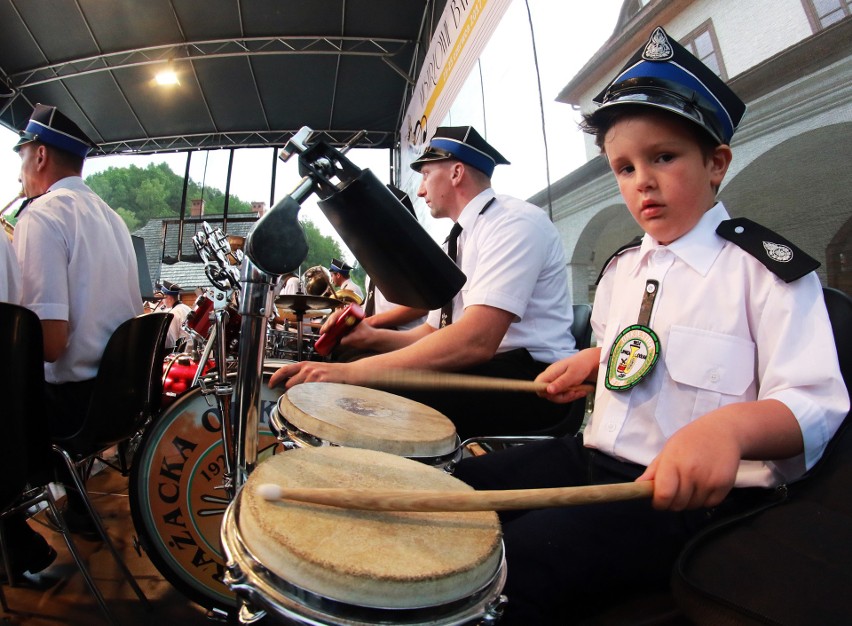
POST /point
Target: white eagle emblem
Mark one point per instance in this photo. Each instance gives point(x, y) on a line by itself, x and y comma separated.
point(778, 252)
point(658, 47)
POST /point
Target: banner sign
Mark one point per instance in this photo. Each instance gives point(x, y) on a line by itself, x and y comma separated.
point(461, 35)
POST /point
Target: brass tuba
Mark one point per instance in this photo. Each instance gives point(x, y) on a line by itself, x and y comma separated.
point(317, 282)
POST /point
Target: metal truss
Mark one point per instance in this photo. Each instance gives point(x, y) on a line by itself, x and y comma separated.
point(245, 139)
point(382, 48)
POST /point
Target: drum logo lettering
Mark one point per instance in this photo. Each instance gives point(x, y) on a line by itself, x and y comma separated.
point(186, 493)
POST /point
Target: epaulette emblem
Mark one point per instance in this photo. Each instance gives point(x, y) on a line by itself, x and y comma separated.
point(778, 252)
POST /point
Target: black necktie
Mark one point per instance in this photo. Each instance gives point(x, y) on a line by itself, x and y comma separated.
point(370, 301)
point(452, 251)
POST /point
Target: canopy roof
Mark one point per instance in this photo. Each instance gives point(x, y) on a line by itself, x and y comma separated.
point(251, 72)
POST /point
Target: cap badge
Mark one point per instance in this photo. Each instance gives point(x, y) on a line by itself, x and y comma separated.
point(658, 47)
point(778, 252)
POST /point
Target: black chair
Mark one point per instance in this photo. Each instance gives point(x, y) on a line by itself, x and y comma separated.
point(24, 446)
point(791, 563)
point(127, 392)
point(581, 328)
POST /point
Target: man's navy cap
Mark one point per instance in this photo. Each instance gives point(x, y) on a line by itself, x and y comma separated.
point(170, 289)
point(50, 126)
point(464, 144)
point(666, 75)
point(340, 267)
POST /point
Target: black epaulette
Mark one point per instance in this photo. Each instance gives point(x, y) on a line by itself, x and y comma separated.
point(633, 244)
point(779, 256)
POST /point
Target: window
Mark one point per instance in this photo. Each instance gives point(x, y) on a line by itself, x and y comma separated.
point(702, 43)
point(824, 13)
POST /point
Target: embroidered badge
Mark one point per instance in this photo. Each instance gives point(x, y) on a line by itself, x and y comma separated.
point(778, 252)
point(634, 354)
point(658, 47)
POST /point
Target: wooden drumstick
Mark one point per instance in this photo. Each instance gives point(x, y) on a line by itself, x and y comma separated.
point(425, 379)
point(436, 501)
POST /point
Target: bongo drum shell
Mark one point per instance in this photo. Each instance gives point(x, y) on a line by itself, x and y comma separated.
point(359, 417)
point(367, 558)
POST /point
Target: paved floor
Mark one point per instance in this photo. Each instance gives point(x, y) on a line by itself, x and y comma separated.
point(69, 600)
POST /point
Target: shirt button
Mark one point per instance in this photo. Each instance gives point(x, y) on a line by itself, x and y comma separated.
point(610, 426)
point(714, 376)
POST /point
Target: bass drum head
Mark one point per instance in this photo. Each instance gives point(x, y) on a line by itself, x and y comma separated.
point(175, 504)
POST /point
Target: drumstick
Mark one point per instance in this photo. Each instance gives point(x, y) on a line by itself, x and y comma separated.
point(435, 501)
point(425, 379)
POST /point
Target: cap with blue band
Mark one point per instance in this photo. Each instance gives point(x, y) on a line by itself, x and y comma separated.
point(666, 75)
point(464, 144)
point(50, 126)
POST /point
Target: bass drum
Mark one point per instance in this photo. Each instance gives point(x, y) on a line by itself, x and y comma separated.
point(176, 501)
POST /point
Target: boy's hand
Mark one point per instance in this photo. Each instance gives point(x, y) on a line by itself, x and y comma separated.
point(566, 375)
point(696, 468)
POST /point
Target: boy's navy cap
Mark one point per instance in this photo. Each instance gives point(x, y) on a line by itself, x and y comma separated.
point(666, 75)
point(464, 144)
point(340, 267)
point(50, 126)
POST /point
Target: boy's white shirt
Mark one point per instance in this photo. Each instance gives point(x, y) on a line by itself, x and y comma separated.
point(730, 331)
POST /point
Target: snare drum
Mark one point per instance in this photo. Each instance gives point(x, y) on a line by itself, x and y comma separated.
point(322, 565)
point(321, 414)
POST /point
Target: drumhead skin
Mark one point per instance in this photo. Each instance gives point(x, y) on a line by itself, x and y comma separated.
point(359, 417)
point(367, 558)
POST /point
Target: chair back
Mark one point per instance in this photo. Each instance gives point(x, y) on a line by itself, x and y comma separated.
point(128, 387)
point(581, 327)
point(23, 444)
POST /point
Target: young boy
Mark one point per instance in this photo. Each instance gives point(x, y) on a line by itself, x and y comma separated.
point(716, 375)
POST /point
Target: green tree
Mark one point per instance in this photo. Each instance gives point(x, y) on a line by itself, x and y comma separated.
point(321, 248)
point(155, 192)
point(131, 220)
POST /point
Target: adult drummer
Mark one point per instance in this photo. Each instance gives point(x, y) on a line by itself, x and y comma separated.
point(78, 267)
point(512, 317)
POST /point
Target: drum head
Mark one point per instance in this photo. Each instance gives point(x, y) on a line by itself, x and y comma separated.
point(367, 558)
point(358, 417)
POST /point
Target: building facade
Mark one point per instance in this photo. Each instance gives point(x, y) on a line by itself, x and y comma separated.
point(791, 62)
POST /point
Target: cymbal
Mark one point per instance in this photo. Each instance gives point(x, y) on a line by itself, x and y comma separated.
point(300, 303)
point(290, 316)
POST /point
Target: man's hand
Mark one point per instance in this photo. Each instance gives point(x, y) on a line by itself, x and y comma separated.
point(314, 372)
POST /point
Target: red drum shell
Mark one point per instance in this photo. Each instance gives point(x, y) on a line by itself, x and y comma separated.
point(178, 372)
point(199, 320)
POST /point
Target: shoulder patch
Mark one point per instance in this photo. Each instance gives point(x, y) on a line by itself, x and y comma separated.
point(633, 244)
point(779, 256)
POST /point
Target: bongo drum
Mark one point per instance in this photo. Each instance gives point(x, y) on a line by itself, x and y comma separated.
point(324, 565)
point(320, 414)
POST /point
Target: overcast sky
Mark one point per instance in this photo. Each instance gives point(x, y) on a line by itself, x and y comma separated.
point(567, 34)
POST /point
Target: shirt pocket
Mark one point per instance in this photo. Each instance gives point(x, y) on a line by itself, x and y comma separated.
point(706, 370)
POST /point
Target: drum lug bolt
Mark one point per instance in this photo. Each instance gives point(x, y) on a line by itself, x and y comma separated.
point(494, 611)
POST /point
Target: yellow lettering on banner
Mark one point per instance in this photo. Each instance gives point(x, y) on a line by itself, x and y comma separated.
point(464, 35)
